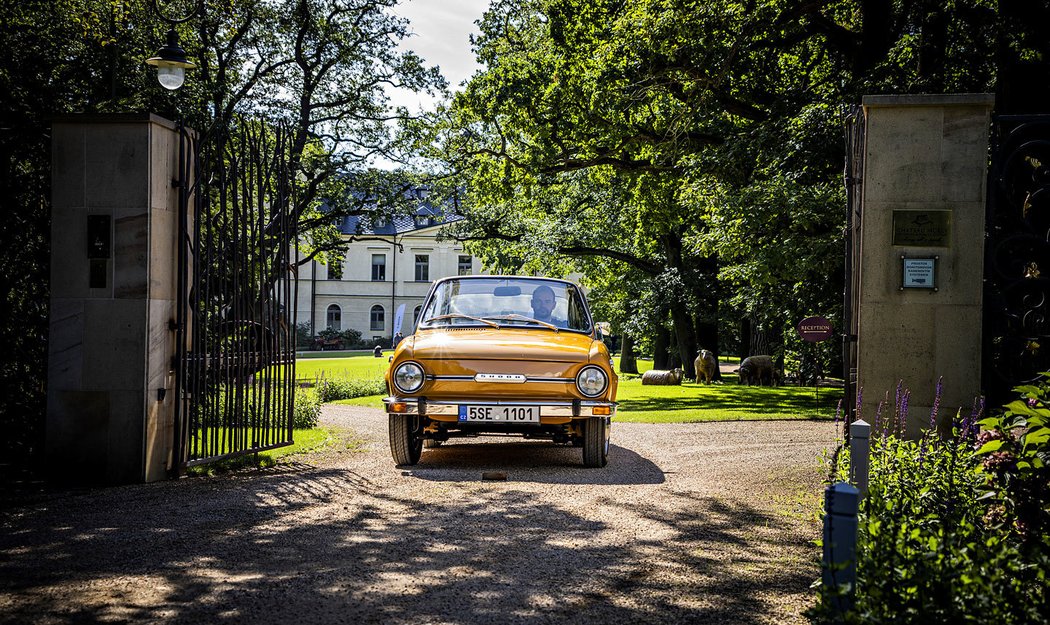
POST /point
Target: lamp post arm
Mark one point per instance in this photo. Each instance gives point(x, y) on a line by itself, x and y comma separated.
point(197, 6)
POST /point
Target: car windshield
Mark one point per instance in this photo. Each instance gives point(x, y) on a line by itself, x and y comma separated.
point(503, 302)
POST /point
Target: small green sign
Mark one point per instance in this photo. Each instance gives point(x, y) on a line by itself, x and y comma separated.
point(922, 228)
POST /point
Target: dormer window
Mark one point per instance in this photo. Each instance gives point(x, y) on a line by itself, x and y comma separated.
point(380, 221)
point(422, 221)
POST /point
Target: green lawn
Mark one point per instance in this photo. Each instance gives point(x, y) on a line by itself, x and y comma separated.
point(652, 404)
point(358, 366)
point(721, 402)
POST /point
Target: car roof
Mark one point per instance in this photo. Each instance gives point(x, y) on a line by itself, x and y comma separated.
point(503, 277)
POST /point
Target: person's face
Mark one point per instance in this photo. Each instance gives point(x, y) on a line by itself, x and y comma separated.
point(543, 304)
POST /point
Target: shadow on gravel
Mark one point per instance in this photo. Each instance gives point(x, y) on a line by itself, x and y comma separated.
point(330, 546)
point(537, 462)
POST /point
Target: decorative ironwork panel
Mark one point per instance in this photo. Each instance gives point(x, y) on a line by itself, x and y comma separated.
point(237, 283)
point(1017, 261)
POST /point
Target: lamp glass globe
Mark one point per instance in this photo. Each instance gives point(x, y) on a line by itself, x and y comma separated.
point(171, 77)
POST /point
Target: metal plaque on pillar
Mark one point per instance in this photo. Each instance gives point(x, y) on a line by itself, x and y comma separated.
point(922, 228)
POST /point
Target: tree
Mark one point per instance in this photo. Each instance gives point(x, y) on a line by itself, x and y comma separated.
point(697, 142)
point(319, 66)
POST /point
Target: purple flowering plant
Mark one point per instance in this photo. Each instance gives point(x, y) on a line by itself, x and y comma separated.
point(938, 537)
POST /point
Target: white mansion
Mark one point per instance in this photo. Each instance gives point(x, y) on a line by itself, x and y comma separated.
point(393, 266)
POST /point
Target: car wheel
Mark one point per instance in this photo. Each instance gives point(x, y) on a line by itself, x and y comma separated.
point(596, 441)
point(430, 443)
point(404, 444)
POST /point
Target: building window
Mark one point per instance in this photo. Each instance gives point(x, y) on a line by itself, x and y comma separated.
point(377, 319)
point(415, 315)
point(422, 267)
point(378, 267)
point(422, 221)
point(335, 318)
point(466, 266)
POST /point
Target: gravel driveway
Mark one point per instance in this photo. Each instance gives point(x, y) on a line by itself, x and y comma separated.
point(698, 523)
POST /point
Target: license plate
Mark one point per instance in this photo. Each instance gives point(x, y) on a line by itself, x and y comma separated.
point(499, 414)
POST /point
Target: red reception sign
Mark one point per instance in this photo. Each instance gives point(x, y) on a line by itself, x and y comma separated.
point(815, 329)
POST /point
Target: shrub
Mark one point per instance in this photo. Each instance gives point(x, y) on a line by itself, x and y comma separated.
point(942, 531)
point(344, 388)
point(1014, 449)
point(302, 335)
point(307, 409)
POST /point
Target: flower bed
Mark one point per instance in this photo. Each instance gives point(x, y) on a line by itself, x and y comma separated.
point(957, 529)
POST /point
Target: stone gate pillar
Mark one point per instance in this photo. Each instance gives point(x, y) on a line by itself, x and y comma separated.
point(919, 264)
point(113, 270)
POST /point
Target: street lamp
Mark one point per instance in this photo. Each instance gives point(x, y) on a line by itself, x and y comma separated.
point(170, 60)
point(171, 63)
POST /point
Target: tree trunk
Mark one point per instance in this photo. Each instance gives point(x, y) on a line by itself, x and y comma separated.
point(707, 338)
point(661, 357)
point(685, 336)
point(628, 363)
point(685, 339)
point(744, 346)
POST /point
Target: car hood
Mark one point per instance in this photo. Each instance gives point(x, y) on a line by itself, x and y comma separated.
point(502, 344)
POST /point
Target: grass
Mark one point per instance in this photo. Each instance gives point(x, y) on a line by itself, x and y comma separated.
point(346, 353)
point(306, 441)
point(721, 402)
point(359, 366)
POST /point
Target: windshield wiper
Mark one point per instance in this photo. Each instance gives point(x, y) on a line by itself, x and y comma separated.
point(462, 316)
point(517, 317)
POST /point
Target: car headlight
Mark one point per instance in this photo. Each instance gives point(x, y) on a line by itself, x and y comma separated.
point(591, 381)
point(408, 377)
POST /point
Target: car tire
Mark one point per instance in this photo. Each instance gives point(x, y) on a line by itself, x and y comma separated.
point(405, 446)
point(596, 441)
point(430, 443)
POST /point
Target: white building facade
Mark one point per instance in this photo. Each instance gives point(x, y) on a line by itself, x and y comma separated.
point(395, 265)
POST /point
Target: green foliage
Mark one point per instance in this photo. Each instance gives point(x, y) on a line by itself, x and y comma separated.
point(348, 339)
point(945, 530)
point(1014, 450)
point(307, 410)
point(321, 65)
point(332, 389)
point(303, 340)
point(686, 156)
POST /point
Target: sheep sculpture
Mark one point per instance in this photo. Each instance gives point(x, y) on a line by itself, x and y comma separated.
point(662, 377)
point(758, 370)
point(706, 366)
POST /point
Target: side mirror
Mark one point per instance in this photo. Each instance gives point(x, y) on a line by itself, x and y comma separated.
point(603, 328)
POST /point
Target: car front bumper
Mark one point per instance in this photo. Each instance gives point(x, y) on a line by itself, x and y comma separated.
point(551, 411)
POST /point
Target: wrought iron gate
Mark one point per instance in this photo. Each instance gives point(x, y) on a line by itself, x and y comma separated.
point(853, 126)
point(235, 369)
point(1017, 257)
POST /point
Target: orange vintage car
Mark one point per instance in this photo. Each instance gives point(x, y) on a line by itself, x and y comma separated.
point(503, 355)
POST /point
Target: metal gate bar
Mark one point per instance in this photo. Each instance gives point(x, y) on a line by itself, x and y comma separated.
point(237, 283)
